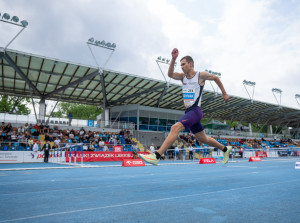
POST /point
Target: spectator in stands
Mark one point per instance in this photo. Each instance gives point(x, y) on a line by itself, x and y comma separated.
point(70, 118)
point(48, 138)
point(14, 137)
point(46, 127)
point(81, 131)
point(46, 149)
point(41, 128)
point(152, 148)
point(26, 127)
point(7, 128)
point(21, 130)
point(2, 126)
point(36, 127)
point(56, 143)
point(191, 155)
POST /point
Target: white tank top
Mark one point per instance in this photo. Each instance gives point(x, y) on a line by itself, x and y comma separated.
point(192, 91)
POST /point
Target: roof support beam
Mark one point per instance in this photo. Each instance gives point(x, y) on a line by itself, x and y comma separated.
point(20, 72)
point(162, 95)
point(103, 90)
point(87, 77)
point(209, 99)
point(136, 94)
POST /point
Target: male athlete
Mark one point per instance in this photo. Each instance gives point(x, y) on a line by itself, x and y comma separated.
point(193, 84)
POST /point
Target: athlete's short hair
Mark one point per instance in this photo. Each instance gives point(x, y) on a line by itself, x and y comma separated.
point(188, 59)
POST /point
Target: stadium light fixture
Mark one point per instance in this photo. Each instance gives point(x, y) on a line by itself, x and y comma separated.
point(14, 21)
point(276, 90)
point(249, 83)
point(164, 60)
point(214, 73)
point(103, 44)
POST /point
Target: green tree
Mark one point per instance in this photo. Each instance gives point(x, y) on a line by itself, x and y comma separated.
point(14, 104)
point(79, 111)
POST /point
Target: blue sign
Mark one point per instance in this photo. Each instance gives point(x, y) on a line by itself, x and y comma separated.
point(90, 123)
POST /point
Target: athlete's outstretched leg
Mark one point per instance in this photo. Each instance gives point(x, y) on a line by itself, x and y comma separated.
point(171, 138)
point(202, 137)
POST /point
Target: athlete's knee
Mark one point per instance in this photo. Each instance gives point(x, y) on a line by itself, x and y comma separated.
point(177, 127)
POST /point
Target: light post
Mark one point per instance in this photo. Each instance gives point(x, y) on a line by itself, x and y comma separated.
point(5, 17)
point(161, 60)
point(278, 91)
point(297, 96)
point(105, 45)
point(251, 84)
point(218, 75)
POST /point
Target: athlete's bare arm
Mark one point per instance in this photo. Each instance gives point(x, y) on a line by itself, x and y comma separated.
point(171, 73)
point(207, 76)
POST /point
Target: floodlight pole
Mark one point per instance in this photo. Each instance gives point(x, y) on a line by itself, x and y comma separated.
point(297, 96)
point(101, 70)
point(251, 84)
point(276, 90)
point(218, 75)
point(165, 61)
point(14, 38)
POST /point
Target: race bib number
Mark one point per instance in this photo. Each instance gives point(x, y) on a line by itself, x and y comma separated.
point(188, 97)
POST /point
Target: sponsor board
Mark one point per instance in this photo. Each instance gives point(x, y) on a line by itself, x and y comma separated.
point(272, 154)
point(207, 161)
point(248, 154)
point(297, 165)
point(101, 156)
point(11, 157)
point(261, 154)
point(254, 159)
point(133, 162)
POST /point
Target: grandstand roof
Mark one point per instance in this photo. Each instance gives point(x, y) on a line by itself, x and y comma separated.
point(24, 74)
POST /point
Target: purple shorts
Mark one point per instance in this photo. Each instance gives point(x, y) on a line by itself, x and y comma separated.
point(191, 119)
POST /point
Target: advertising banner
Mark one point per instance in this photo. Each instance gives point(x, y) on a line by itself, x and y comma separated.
point(101, 156)
point(11, 157)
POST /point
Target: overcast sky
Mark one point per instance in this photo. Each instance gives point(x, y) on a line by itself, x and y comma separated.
point(242, 39)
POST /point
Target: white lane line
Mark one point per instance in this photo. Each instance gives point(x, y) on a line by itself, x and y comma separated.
point(144, 202)
point(242, 166)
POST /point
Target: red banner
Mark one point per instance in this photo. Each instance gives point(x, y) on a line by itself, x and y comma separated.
point(207, 160)
point(261, 154)
point(254, 159)
point(89, 156)
point(133, 162)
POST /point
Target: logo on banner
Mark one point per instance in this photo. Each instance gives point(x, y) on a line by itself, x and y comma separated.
point(90, 123)
point(207, 160)
point(117, 149)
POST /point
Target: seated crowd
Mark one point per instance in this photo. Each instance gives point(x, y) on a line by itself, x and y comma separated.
point(30, 134)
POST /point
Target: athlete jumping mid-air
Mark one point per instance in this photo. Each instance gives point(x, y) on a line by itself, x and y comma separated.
point(192, 87)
